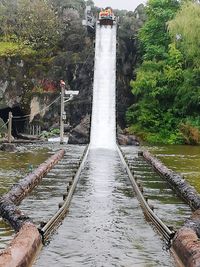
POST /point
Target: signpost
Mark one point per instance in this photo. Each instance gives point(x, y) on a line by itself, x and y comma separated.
point(66, 96)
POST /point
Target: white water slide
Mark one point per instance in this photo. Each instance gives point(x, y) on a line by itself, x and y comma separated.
point(103, 126)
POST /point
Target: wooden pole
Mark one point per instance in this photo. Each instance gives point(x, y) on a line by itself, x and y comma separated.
point(10, 127)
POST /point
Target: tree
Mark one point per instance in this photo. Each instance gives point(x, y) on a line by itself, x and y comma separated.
point(37, 24)
point(158, 76)
point(31, 22)
point(154, 36)
point(8, 17)
point(184, 28)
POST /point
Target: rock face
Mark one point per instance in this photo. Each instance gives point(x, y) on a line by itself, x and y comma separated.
point(81, 133)
point(127, 140)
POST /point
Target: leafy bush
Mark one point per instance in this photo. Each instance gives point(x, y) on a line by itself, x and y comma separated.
point(51, 133)
point(13, 49)
point(166, 89)
point(190, 133)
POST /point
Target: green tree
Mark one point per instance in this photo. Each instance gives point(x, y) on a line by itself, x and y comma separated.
point(37, 24)
point(8, 17)
point(154, 36)
point(184, 28)
point(158, 77)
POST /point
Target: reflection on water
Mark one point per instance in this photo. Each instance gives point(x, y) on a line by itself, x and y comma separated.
point(167, 205)
point(14, 166)
point(182, 159)
point(105, 225)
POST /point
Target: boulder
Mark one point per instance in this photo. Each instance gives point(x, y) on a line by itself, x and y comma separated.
point(81, 133)
point(127, 140)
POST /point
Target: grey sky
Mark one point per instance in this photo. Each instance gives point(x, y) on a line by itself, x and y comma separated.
point(119, 4)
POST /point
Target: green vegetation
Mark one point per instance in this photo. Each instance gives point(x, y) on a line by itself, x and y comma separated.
point(13, 49)
point(167, 89)
point(40, 25)
point(51, 133)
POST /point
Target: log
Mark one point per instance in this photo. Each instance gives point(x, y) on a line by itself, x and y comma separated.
point(25, 244)
point(12, 214)
point(186, 242)
point(22, 248)
point(20, 190)
point(176, 181)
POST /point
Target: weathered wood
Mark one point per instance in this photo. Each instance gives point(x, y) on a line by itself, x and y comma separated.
point(186, 242)
point(25, 244)
point(26, 185)
point(8, 211)
point(12, 214)
point(22, 248)
point(176, 181)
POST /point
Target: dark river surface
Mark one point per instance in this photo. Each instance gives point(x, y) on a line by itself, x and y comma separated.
point(14, 166)
point(105, 225)
point(181, 158)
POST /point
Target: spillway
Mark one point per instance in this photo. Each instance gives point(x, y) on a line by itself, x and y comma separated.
point(103, 126)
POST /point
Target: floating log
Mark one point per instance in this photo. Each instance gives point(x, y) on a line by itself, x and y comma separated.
point(12, 214)
point(22, 248)
point(176, 181)
point(186, 242)
point(26, 185)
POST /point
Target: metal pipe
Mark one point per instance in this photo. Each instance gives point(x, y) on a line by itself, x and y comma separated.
point(162, 228)
point(60, 214)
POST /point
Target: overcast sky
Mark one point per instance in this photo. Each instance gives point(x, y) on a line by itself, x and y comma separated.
point(119, 4)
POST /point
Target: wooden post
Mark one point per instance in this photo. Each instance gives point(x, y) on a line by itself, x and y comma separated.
point(9, 127)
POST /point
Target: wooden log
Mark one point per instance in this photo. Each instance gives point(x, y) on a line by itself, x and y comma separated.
point(22, 248)
point(186, 244)
point(26, 185)
point(176, 181)
point(12, 214)
point(8, 211)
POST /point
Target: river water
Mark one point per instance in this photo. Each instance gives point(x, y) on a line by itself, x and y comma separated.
point(105, 225)
point(14, 166)
point(181, 158)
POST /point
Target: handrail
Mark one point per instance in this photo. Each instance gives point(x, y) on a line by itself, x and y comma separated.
point(60, 214)
point(162, 228)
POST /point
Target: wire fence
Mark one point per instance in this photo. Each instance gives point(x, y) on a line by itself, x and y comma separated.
point(4, 125)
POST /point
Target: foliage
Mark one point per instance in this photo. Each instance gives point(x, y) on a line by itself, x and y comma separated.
point(184, 28)
point(13, 49)
point(37, 24)
point(167, 87)
point(33, 23)
point(153, 36)
point(190, 133)
point(51, 133)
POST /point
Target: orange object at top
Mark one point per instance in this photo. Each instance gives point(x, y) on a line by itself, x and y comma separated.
point(106, 13)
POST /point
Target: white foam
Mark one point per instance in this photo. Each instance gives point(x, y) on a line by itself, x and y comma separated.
point(103, 126)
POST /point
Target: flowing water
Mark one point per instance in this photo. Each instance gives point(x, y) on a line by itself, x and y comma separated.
point(105, 225)
point(182, 159)
point(14, 166)
point(103, 127)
